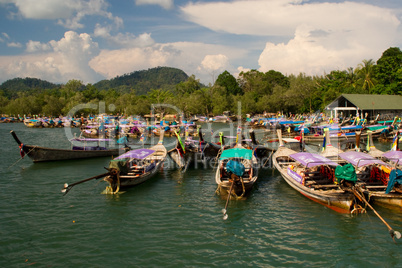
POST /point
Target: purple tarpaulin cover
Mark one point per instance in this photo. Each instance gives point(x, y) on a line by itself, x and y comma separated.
point(360, 159)
point(90, 139)
point(139, 154)
point(395, 156)
point(312, 160)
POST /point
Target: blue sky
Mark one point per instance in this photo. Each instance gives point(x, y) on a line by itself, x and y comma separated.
point(91, 40)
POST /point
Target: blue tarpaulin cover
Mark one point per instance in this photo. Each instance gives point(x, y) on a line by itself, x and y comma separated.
point(235, 167)
point(394, 176)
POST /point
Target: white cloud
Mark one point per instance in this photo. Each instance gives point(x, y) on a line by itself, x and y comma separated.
point(76, 50)
point(123, 40)
point(6, 35)
point(313, 53)
point(281, 17)
point(34, 46)
point(321, 36)
point(214, 63)
point(77, 56)
point(14, 44)
point(68, 13)
point(180, 55)
point(40, 66)
point(166, 4)
point(46, 9)
point(68, 59)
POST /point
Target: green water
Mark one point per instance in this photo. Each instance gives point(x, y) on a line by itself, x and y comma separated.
point(172, 220)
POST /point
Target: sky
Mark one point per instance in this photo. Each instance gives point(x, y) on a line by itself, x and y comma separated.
point(92, 40)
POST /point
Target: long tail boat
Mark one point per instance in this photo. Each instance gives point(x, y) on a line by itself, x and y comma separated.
point(129, 169)
point(376, 179)
point(45, 154)
point(191, 151)
point(135, 167)
point(237, 172)
point(313, 176)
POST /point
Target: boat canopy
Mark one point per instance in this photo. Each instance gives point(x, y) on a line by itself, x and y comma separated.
point(359, 159)
point(395, 156)
point(90, 139)
point(290, 122)
point(138, 154)
point(377, 127)
point(312, 160)
point(237, 153)
point(337, 128)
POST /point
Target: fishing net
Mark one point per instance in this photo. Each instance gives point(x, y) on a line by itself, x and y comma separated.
point(346, 172)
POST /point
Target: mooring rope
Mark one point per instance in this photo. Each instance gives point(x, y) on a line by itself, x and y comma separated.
point(22, 157)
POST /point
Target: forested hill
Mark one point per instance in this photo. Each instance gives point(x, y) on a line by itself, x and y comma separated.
point(140, 81)
point(145, 80)
point(12, 86)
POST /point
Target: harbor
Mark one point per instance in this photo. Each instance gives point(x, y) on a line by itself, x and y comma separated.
point(173, 219)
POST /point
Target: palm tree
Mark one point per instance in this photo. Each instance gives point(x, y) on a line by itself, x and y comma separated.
point(351, 77)
point(365, 72)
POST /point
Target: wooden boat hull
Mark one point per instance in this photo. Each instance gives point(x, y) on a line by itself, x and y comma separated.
point(339, 137)
point(372, 178)
point(332, 197)
point(44, 154)
point(119, 181)
point(129, 181)
point(224, 182)
point(380, 198)
point(224, 187)
point(175, 155)
point(338, 201)
point(193, 154)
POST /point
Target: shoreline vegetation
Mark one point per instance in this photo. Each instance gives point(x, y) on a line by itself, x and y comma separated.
point(258, 92)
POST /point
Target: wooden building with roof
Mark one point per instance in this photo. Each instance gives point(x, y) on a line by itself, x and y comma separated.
point(387, 106)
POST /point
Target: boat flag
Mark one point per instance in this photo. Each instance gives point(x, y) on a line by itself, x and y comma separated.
point(22, 153)
point(238, 133)
point(302, 138)
point(394, 146)
point(142, 137)
point(180, 142)
point(186, 133)
point(324, 143)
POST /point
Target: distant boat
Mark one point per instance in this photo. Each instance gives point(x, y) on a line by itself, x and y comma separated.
point(338, 133)
point(45, 154)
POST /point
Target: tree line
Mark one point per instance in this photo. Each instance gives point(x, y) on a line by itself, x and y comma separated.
point(257, 91)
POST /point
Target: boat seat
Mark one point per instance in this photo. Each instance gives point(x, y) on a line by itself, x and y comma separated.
point(376, 186)
point(311, 172)
point(317, 182)
point(127, 176)
point(321, 186)
point(313, 177)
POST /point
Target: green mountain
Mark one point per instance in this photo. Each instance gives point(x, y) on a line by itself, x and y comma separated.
point(143, 81)
point(12, 86)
